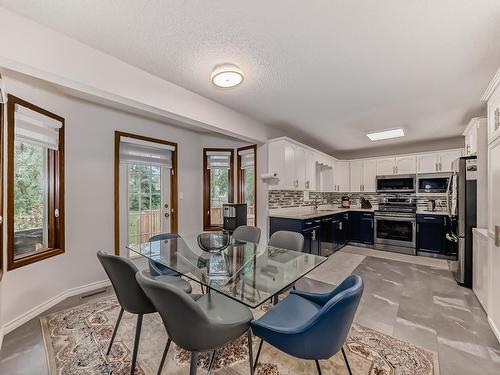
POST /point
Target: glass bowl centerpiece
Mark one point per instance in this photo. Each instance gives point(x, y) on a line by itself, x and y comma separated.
point(213, 242)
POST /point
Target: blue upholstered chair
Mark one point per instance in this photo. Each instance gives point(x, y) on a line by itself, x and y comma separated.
point(158, 269)
point(309, 325)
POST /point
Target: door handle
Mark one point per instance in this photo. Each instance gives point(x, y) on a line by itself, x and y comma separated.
point(167, 215)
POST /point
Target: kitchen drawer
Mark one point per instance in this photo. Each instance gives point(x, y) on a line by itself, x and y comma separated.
point(431, 219)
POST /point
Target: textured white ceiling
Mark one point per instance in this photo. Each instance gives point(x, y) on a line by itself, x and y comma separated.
point(325, 71)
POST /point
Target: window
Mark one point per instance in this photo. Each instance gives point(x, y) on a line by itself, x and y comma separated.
point(146, 189)
point(218, 185)
point(247, 183)
point(35, 183)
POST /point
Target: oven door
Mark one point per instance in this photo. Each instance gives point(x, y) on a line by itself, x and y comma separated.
point(397, 233)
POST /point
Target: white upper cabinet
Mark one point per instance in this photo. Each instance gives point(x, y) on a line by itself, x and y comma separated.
point(369, 175)
point(356, 175)
point(427, 163)
point(492, 96)
point(311, 163)
point(406, 164)
point(301, 168)
point(363, 174)
point(446, 158)
point(285, 158)
point(341, 176)
point(386, 166)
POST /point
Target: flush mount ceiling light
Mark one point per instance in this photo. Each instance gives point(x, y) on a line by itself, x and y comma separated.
point(227, 76)
point(386, 134)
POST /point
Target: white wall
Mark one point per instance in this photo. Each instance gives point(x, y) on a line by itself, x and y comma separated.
point(89, 193)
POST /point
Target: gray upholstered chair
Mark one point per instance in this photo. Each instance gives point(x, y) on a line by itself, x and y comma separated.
point(247, 233)
point(287, 240)
point(197, 323)
point(121, 273)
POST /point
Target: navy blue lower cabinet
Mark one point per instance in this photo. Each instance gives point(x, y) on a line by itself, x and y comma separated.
point(431, 234)
point(361, 227)
point(310, 229)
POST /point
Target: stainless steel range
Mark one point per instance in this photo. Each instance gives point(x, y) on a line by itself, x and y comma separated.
point(395, 225)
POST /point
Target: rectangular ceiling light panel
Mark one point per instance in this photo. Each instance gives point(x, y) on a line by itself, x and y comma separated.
point(386, 134)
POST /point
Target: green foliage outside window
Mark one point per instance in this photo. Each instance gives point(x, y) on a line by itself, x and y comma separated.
point(29, 185)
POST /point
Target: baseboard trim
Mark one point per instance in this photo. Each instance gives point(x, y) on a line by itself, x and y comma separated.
point(37, 310)
point(495, 329)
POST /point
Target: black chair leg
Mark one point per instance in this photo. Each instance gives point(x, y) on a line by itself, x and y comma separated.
point(211, 363)
point(136, 342)
point(318, 367)
point(250, 350)
point(164, 356)
point(115, 330)
point(258, 354)
point(194, 363)
point(346, 361)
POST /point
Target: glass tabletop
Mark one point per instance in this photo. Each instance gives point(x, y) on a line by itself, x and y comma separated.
point(244, 271)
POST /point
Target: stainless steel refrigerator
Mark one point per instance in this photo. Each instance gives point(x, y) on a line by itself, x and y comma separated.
point(462, 209)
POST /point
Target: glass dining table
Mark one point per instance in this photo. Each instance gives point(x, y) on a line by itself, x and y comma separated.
point(245, 272)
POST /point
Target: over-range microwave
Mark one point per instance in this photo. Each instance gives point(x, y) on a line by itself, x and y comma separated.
point(433, 183)
point(404, 183)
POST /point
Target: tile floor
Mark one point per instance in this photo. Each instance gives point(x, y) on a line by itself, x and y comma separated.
point(419, 303)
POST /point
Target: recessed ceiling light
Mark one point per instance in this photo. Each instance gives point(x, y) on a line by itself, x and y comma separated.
point(226, 76)
point(386, 134)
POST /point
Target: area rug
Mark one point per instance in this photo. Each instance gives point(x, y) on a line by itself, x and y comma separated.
point(76, 341)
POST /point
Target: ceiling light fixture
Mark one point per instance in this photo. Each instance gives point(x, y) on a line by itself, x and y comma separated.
point(227, 76)
point(380, 135)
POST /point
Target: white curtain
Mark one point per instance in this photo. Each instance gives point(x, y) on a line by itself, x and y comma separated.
point(34, 127)
point(139, 151)
point(247, 158)
point(218, 159)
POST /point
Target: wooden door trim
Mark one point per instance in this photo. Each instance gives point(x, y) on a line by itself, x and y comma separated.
point(174, 204)
point(206, 186)
point(239, 180)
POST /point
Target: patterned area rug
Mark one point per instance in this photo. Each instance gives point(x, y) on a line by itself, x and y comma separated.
point(76, 341)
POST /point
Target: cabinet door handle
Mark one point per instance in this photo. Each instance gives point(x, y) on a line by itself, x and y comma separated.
point(309, 222)
point(418, 227)
point(314, 235)
point(436, 166)
point(371, 223)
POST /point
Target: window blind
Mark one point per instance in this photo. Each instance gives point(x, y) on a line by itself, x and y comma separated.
point(139, 151)
point(34, 127)
point(247, 158)
point(218, 159)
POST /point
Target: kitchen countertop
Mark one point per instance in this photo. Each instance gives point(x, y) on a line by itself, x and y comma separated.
point(306, 213)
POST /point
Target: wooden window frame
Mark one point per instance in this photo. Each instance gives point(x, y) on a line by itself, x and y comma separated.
point(56, 190)
point(174, 217)
point(240, 183)
point(206, 187)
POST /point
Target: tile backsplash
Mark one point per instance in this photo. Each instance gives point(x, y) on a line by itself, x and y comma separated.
point(295, 198)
